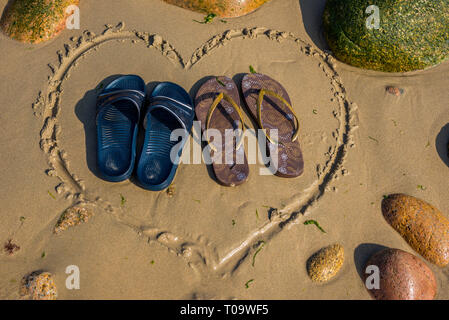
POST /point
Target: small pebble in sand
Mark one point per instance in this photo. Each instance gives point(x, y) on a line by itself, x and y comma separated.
point(423, 226)
point(325, 264)
point(171, 191)
point(394, 91)
point(38, 285)
point(72, 217)
point(402, 276)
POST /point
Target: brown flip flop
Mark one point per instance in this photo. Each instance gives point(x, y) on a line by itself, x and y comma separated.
point(216, 107)
point(270, 105)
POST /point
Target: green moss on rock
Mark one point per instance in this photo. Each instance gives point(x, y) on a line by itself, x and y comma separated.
point(412, 35)
point(35, 21)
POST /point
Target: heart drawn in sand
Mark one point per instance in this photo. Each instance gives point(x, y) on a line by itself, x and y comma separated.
point(171, 225)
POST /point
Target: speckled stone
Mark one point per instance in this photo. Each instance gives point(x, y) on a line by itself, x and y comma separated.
point(38, 286)
point(403, 276)
point(325, 264)
point(35, 21)
point(423, 226)
point(222, 8)
point(72, 217)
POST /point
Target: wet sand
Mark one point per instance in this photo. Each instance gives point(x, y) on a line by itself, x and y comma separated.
point(359, 143)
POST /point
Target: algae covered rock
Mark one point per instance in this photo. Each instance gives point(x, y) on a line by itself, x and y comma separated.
point(221, 8)
point(423, 226)
point(35, 21)
point(325, 264)
point(410, 35)
point(402, 276)
point(38, 286)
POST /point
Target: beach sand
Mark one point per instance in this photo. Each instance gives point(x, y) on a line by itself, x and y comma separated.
point(359, 143)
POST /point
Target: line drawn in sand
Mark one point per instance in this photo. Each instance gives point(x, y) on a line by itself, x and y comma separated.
point(200, 254)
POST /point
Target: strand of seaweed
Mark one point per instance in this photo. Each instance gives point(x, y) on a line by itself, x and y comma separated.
point(199, 254)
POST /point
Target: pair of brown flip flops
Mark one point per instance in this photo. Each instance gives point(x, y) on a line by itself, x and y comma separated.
point(217, 108)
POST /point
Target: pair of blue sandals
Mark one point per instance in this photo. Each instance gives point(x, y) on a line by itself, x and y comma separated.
point(119, 110)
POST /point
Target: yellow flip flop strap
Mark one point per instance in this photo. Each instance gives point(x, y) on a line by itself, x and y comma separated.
point(214, 106)
point(262, 94)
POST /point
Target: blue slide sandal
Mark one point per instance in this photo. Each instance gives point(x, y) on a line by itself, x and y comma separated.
point(118, 112)
point(170, 108)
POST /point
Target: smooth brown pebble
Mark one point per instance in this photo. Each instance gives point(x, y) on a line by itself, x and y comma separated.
point(222, 8)
point(423, 226)
point(325, 264)
point(402, 276)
